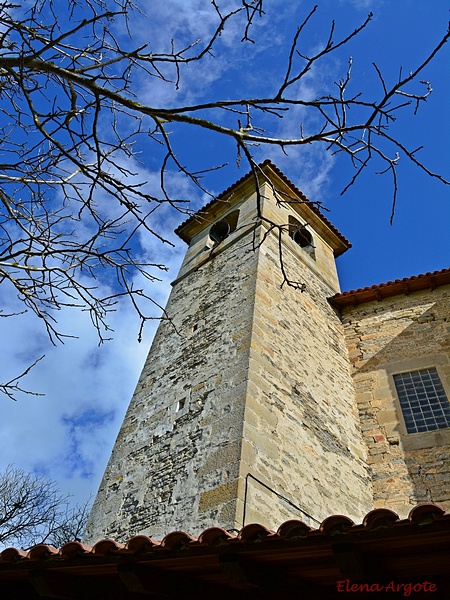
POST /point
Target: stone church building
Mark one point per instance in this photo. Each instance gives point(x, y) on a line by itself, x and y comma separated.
point(269, 395)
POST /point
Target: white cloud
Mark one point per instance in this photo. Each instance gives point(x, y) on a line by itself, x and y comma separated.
point(194, 22)
point(362, 4)
point(68, 433)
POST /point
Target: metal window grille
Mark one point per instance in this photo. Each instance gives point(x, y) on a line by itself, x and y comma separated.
point(423, 401)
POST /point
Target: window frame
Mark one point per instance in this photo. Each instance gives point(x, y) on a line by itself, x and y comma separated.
point(427, 439)
point(431, 402)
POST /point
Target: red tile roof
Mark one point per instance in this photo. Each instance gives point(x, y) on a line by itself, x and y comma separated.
point(267, 163)
point(255, 563)
point(416, 283)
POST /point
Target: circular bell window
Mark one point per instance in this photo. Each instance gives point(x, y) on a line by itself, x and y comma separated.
point(219, 231)
point(302, 237)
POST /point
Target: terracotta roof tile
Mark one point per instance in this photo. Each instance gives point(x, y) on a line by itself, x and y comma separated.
point(296, 559)
point(176, 540)
point(42, 552)
point(381, 517)
point(425, 513)
point(72, 549)
point(293, 529)
point(12, 555)
point(214, 536)
point(141, 543)
point(398, 287)
point(252, 533)
point(336, 524)
point(107, 547)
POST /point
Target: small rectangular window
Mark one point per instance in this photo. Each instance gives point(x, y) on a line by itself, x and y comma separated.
point(423, 401)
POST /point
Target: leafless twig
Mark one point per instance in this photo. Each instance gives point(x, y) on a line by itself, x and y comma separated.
point(72, 203)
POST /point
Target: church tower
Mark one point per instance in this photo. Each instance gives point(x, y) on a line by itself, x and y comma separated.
point(245, 410)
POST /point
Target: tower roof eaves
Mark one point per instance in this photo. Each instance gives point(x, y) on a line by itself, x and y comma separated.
point(186, 230)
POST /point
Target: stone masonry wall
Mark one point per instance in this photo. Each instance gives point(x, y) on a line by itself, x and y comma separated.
point(245, 408)
point(175, 463)
point(302, 437)
point(399, 334)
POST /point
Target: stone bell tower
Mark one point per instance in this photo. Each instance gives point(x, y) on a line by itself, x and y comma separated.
point(245, 410)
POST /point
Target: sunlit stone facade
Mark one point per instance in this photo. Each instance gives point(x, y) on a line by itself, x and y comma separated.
point(246, 409)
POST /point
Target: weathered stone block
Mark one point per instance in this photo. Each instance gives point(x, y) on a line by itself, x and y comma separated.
point(219, 495)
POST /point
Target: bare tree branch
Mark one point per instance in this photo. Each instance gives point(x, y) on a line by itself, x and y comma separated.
point(33, 511)
point(73, 206)
point(13, 387)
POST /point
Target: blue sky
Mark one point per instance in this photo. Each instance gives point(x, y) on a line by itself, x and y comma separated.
point(68, 433)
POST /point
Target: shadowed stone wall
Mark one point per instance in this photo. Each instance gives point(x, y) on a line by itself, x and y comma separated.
point(399, 334)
